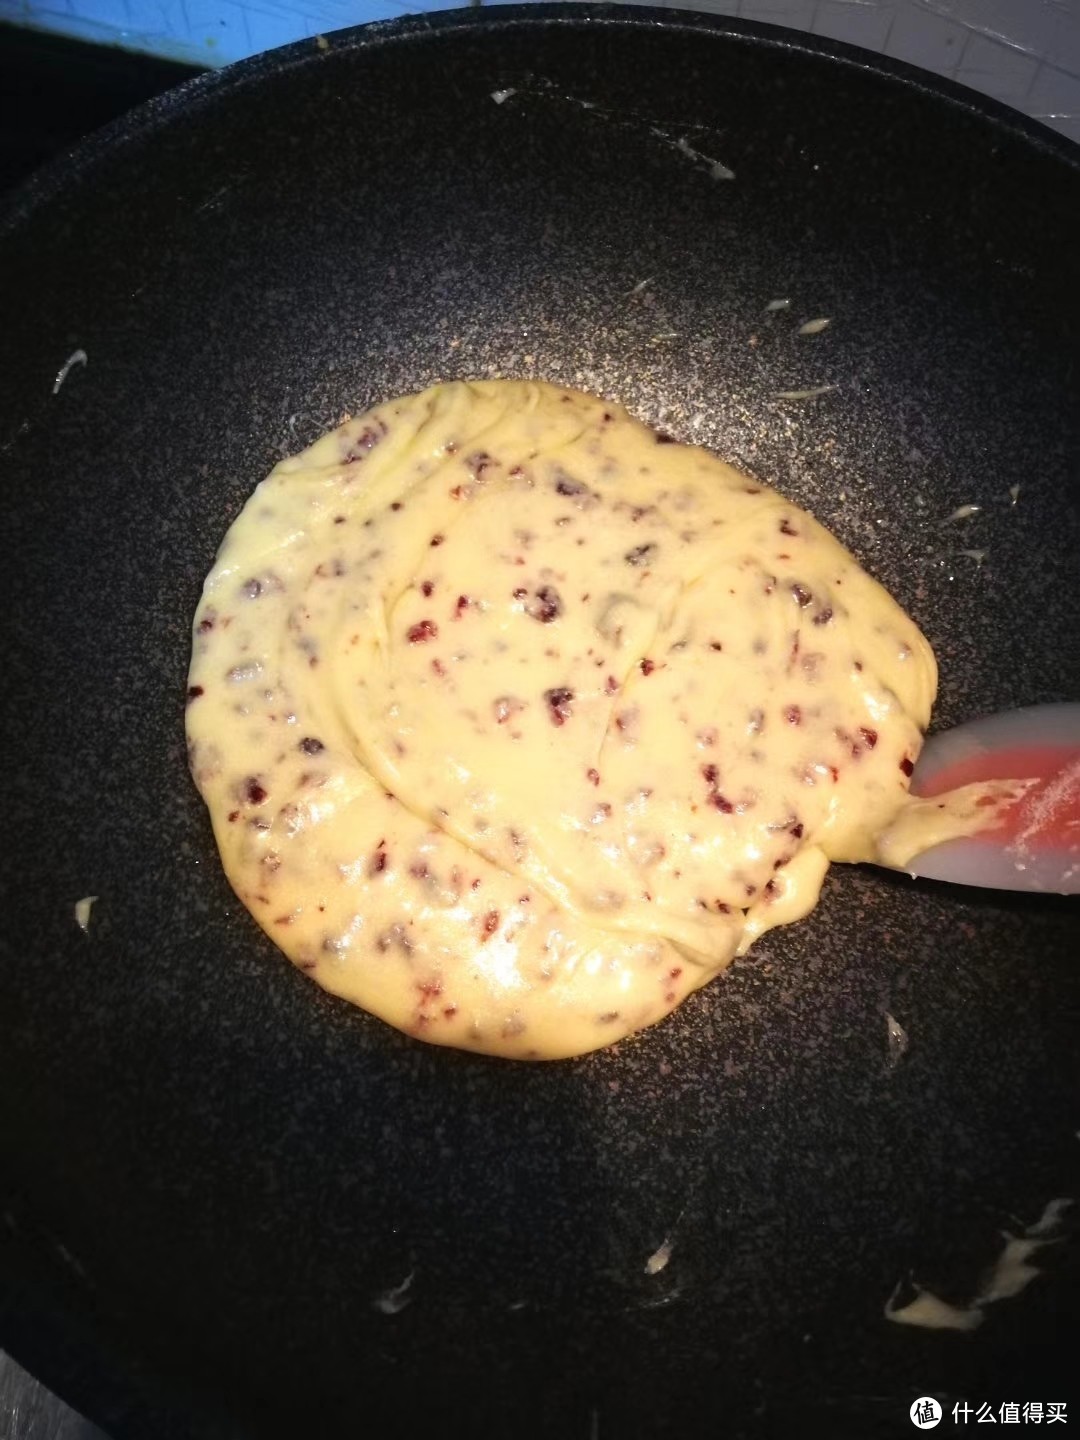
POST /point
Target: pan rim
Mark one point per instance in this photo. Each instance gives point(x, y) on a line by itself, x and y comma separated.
point(183, 107)
point(19, 206)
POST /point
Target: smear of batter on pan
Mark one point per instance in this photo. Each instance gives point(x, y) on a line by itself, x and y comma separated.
point(83, 908)
point(518, 721)
point(1011, 1273)
point(77, 357)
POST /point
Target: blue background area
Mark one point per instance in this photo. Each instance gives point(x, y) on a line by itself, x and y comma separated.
point(204, 32)
point(1024, 52)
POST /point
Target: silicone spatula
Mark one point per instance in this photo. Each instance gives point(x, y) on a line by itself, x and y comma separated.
point(1036, 845)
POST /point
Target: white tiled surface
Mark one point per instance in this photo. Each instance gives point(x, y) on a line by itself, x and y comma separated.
point(1024, 52)
point(1055, 97)
point(865, 25)
point(925, 38)
point(1000, 70)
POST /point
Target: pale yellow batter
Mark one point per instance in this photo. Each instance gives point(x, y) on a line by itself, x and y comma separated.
point(517, 722)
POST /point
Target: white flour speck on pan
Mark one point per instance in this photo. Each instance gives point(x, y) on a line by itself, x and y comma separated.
point(77, 357)
point(394, 1300)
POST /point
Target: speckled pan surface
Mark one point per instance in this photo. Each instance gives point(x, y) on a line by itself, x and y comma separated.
point(216, 1179)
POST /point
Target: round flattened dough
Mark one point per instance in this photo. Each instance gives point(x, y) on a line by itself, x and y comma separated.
point(517, 722)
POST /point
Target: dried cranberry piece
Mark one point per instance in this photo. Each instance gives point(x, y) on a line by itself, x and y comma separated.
point(546, 606)
point(559, 702)
point(641, 555)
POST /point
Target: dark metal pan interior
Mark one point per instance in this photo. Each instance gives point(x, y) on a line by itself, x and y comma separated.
point(217, 1179)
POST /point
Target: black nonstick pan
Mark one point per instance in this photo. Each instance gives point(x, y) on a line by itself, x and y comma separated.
point(234, 1206)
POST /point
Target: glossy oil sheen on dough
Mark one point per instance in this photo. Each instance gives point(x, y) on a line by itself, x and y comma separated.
point(517, 722)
